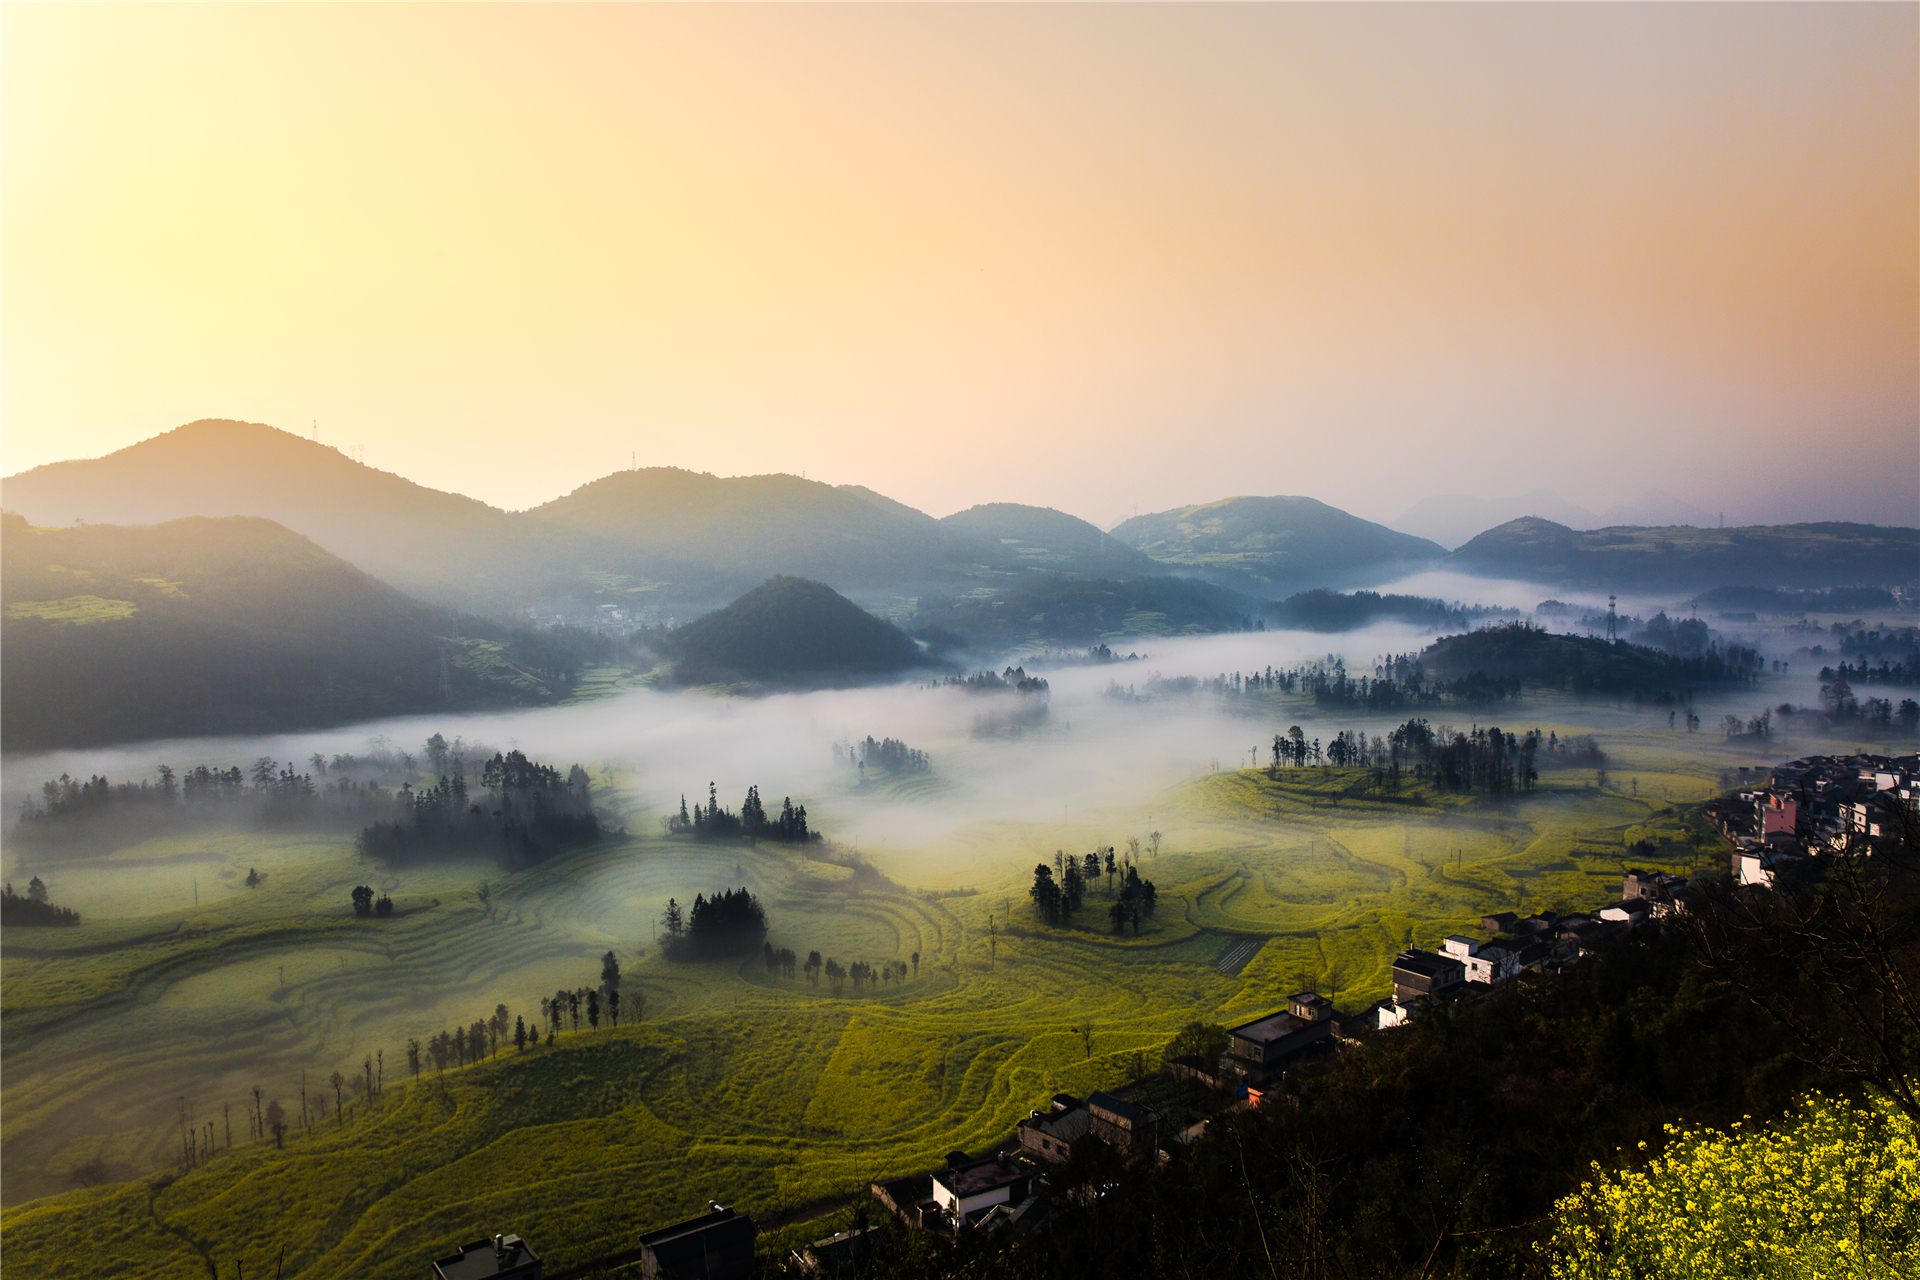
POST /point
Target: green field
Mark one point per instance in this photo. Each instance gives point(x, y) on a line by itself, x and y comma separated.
point(737, 1086)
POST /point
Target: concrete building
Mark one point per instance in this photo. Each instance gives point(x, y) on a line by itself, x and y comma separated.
point(964, 1192)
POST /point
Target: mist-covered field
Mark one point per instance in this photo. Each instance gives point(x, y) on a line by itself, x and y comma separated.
point(184, 986)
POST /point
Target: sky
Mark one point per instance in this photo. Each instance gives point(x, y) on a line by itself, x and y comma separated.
point(1101, 258)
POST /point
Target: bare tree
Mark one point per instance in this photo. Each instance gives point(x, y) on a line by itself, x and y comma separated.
point(1085, 1031)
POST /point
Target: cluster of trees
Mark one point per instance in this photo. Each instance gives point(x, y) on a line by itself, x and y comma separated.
point(1062, 889)
point(730, 923)
point(1323, 610)
point(890, 754)
point(32, 907)
point(1587, 665)
point(364, 903)
point(1479, 760)
point(1841, 704)
point(783, 962)
point(1904, 673)
point(531, 812)
point(462, 1046)
point(344, 791)
point(1012, 680)
point(716, 823)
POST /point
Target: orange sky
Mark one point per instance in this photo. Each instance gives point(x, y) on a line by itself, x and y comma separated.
point(1091, 257)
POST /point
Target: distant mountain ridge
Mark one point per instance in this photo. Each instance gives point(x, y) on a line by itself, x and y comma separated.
point(439, 546)
point(1266, 545)
point(1453, 519)
point(737, 531)
point(1686, 557)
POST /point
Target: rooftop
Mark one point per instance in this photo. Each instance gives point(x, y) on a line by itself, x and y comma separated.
point(482, 1258)
point(1120, 1108)
point(1268, 1029)
point(980, 1176)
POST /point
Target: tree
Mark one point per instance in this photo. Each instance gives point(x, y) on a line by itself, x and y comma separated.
point(835, 975)
point(573, 1008)
point(363, 900)
point(639, 999)
point(1085, 1031)
point(1203, 1040)
point(593, 1010)
point(1045, 894)
point(613, 1006)
point(336, 1080)
point(813, 968)
point(497, 1028)
point(253, 878)
point(485, 894)
point(413, 1057)
point(276, 1119)
point(916, 964)
point(1154, 836)
point(1118, 913)
point(520, 1035)
point(609, 973)
point(673, 920)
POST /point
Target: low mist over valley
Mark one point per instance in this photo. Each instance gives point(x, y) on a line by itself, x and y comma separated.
point(960, 642)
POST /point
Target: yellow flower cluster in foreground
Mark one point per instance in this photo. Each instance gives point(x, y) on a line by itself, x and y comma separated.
point(1831, 1192)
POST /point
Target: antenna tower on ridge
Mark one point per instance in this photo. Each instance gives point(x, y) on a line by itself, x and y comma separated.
point(1613, 623)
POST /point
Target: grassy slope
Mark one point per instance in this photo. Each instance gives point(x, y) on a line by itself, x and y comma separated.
point(748, 1089)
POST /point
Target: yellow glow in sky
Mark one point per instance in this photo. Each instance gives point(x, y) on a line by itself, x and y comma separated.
point(1084, 256)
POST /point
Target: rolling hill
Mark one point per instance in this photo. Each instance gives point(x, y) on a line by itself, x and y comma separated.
point(790, 631)
point(1057, 611)
point(1683, 557)
point(211, 626)
point(1042, 538)
point(1264, 545)
point(714, 536)
point(439, 546)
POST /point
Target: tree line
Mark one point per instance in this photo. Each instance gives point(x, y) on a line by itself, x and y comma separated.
point(32, 907)
point(532, 812)
point(784, 962)
point(889, 754)
point(716, 823)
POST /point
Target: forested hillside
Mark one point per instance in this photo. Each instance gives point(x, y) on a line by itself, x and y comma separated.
point(1265, 545)
point(235, 625)
point(1687, 558)
point(789, 629)
point(1042, 538)
point(1058, 610)
point(718, 535)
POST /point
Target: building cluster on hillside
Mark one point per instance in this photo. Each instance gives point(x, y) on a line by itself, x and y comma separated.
point(1781, 824)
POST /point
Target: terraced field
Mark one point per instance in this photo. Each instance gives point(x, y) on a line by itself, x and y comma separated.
point(735, 1085)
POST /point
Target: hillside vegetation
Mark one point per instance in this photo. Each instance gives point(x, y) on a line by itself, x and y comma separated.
point(1688, 558)
point(1042, 538)
point(787, 629)
point(713, 534)
point(438, 546)
point(1266, 545)
point(1051, 610)
point(203, 626)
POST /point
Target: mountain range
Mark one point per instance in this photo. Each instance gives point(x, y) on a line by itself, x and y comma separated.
point(1453, 519)
point(657, 543)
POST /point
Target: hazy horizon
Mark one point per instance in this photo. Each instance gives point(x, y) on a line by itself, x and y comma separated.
point(1091, 258)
